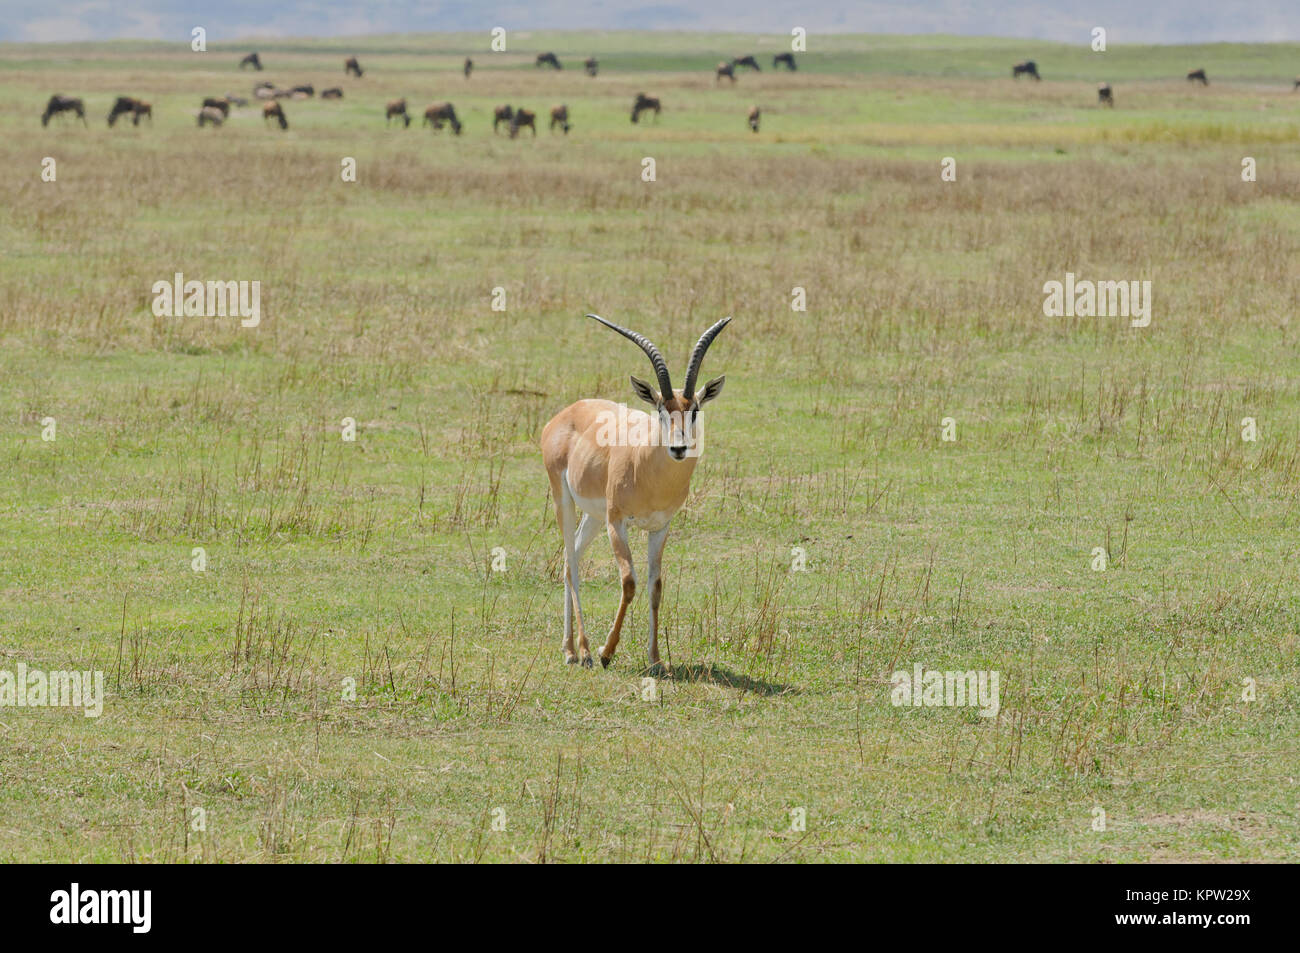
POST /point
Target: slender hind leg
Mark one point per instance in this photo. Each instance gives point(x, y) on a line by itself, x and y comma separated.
point(567, 514)
point(565, 517)
point(588, 529)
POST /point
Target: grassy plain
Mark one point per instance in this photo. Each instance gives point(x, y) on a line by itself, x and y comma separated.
point(370, 560)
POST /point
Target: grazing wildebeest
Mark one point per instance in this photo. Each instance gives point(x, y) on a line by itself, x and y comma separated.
point(548, 59)
point(1104, 95)
point(129, 104)
point(350, 65)
point(234, 100)
point(754, 115)
point(269, 91)
point(211, 115)
point(61, 104)
point(1198, 74)
point(397, 108)
point(643, 103)
point(253, 60)
point(216, 102)
point(748, 61)
point(305, 91)
point(469, 67)
point(786, 58)
point(332, 93)
point(560, 117)
point(591, 66)
point(724, 69)
point(502, 114)
point(523, 117)
point(124, 104)
point(1028, 67)
point(439, 113)
point(276, 112)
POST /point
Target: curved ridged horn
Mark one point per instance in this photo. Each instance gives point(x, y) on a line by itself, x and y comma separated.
point(697, 357)
point(652, 352)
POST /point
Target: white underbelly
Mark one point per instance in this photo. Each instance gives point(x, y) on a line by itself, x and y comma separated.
point(593, 506)
point(597, 507)
point(650, 522)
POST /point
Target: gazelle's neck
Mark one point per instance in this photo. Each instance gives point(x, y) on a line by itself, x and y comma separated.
point(669, 480)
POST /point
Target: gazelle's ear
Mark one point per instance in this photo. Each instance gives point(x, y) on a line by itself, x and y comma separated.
point(712, 389)
point(645, 392)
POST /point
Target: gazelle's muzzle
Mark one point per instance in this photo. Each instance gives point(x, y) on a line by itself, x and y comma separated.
point(679, 433)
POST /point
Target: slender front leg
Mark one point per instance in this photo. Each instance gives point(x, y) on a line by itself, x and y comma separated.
point(623, 554)
point(656, 584)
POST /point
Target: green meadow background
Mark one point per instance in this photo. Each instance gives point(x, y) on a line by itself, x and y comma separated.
point(1161, 691)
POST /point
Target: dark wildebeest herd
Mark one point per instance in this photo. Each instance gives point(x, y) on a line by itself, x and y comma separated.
point(215, 110)
point(518, 118)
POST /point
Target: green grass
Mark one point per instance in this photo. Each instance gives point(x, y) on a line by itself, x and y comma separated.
point(370, 560)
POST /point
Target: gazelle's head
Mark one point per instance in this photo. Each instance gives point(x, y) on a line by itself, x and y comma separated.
point(678, 411)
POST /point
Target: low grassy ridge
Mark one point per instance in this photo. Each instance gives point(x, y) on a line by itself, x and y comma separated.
point(1160, 691)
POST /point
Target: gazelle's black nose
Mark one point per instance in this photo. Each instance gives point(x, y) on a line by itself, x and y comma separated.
point(677, 453)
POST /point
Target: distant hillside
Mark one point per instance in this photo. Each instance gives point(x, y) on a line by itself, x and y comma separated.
point(1153, 21)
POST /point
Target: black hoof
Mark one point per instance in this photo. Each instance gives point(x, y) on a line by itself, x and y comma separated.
point(570, 661)
point(586, 663)
point(604, 662)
